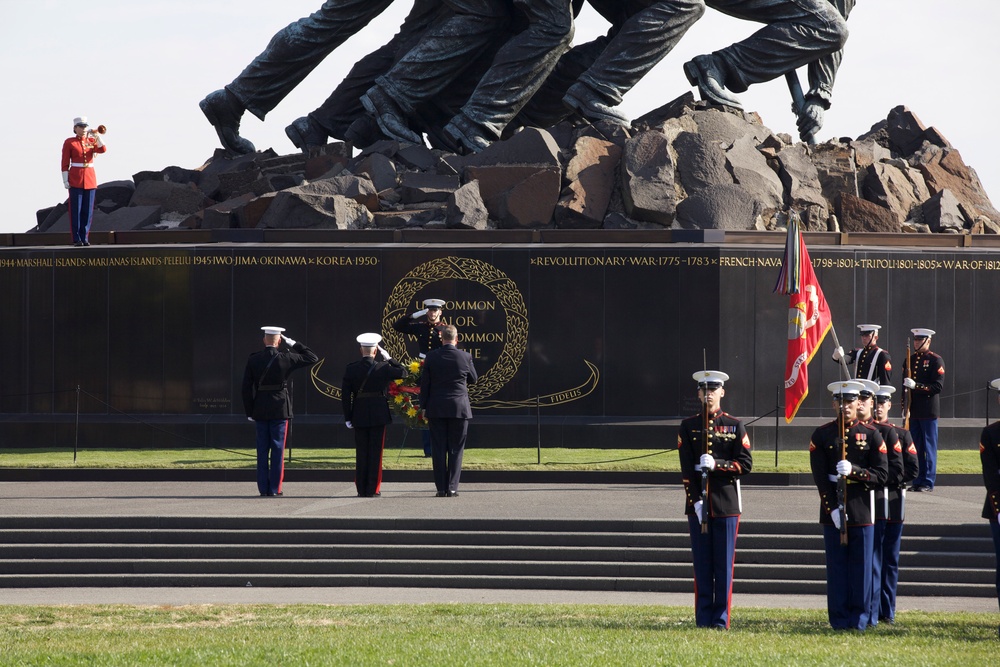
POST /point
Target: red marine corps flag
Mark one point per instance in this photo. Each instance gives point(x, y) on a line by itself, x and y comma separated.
point(809, 317)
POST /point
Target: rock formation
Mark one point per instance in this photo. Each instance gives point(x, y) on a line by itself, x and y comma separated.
point(683, 166)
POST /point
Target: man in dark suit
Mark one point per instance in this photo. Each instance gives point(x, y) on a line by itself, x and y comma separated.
point(267, 400)
point(366, 411)
point(444, 395)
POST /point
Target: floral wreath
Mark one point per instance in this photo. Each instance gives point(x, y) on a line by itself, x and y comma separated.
point(404, 396)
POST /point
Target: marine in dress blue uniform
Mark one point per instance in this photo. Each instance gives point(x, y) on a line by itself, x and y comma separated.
point(426, 326)
point(267, 400)
point(890, 504)
point(864, 467)
point(989, 456)
point(870, 361)
point(716, 445)
point(366, 410)
point(924, 380)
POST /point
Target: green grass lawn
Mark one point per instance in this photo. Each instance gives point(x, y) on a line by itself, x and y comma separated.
point(477, 635)
point(949, 461)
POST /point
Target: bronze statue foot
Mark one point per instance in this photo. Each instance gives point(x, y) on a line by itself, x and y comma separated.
point(223, 112)
point(389, 116)
point(465, 136)
point(704, 73)
point(585, 102)
point(304, 133)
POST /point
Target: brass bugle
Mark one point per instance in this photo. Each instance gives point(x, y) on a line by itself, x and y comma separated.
point(100, 129)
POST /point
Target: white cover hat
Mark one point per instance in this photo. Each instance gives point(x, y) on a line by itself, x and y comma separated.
point(996, 384)
point(884, 392)
point(369, 339)
point(80, 120)
point(869, 327)
point(870, 387)
point(272, 331)
point(711, 379)
point(849, 389)
point(434, 303)
point(923, 332)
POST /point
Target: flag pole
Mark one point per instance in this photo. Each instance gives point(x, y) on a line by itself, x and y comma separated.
point(836, 343)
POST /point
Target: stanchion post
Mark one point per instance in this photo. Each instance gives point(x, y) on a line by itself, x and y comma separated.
point(76, 430)
point(777, 420)
point(538, 427)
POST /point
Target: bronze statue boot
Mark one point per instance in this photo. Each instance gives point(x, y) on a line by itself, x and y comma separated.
point(390, 116)
point(582, 99)
point(305, 133)
point(465, 136)
point(706, 74)
point(223, 111)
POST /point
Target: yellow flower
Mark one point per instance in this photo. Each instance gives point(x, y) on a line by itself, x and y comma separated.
point(412, 412)
point(397, 399)
point(414, 367)
point(400, 381)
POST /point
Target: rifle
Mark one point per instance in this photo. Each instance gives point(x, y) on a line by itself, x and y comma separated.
point(704, 450)
point(909, 392)
point(841, 480)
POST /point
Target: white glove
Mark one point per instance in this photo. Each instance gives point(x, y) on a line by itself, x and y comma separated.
point(844, 468)
point(909, 383)
point(100, 142)
point(838, 353)
point(66, 179)
point(288, 341)
point(349, 424)
point(385, 355)
point(835, 515)
point(249, 419)
point(707, 462)
point(697, 510)
point(420, 313)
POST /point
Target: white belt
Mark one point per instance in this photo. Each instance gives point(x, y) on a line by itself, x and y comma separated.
point(81, 164)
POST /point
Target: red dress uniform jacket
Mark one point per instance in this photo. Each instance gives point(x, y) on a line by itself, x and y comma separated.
point(81, 151)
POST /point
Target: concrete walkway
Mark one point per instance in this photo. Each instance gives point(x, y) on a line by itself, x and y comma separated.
point(947, 504)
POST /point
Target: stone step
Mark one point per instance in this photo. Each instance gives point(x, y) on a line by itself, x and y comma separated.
point(654, 555)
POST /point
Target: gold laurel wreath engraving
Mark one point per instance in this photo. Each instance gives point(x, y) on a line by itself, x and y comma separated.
point(321, 385)
point(557, 398)
point(473, 270)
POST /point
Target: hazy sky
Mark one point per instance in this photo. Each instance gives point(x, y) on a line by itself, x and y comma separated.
point(141, 66)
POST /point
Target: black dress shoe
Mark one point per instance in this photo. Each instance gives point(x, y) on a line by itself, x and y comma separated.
point(441, 494)
point(453, 494)
point(78, 243)
point(223, 111)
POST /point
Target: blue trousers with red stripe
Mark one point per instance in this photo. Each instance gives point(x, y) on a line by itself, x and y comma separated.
point(848, 576)
point(271, 435)
point(81, 212)
point(713, 554)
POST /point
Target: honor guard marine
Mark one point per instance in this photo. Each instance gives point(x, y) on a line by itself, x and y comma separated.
point(989, 456)
point(714, 452)
point(848, 459)
point(890, 504)
point(924, 380)
point(870, 361)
